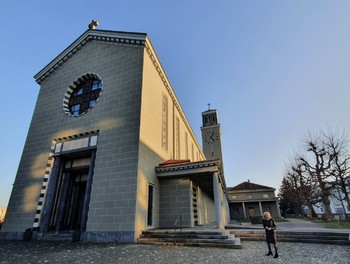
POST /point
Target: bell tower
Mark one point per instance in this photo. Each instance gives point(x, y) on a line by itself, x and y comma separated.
point(211, 134)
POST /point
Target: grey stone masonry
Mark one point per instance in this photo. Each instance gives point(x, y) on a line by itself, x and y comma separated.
point(175, 197)
point(116, 117)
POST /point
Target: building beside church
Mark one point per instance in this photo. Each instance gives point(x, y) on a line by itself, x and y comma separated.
point(249, 199)
point(110, 152)
point(2, 214)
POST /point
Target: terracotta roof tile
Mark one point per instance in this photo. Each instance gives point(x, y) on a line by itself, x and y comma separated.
point(173, 162)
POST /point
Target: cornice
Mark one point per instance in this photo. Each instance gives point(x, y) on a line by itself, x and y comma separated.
point(188, 166)
point(159, 68)
point(117, 37)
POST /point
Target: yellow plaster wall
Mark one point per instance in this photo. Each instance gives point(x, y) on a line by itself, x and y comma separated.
point(151, 152)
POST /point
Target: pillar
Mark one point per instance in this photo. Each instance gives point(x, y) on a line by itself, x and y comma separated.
point(278, 209)
point(244, 212)
point(227, 209)
point(217, 201)
point(260, 208)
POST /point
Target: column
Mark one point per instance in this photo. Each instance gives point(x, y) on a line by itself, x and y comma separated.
point(260, 207)
point(88, 192)
point(227, 209)
point(49, 199)
point(278, 209)
point(244, 212)
point(217, 201)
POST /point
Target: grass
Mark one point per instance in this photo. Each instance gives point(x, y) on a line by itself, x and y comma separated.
point(280, 220)
point(337, 225)
point(332, 225)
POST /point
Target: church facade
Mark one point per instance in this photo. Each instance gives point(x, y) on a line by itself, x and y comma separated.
point(110, 152)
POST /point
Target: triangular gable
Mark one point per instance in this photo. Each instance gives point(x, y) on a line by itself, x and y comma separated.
point(247, 185)
point(118, 37)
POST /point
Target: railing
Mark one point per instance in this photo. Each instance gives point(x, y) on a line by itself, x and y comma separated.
point(178, 219)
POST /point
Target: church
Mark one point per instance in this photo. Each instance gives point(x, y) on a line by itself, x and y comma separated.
point(109, 151)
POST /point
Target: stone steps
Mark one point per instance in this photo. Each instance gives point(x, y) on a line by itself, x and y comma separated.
point(66, 236)
point(291, 236)
point(190, 238)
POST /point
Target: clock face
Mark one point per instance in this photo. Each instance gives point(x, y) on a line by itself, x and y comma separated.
point(211, 137)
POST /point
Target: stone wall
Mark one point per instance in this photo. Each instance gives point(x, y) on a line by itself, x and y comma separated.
point(175, 200)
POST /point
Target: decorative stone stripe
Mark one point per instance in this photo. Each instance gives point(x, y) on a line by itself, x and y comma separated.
point(50, 161)
point(74, 85)
point(44, 187)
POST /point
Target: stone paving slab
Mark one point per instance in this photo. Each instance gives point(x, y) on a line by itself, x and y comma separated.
point(251, 252)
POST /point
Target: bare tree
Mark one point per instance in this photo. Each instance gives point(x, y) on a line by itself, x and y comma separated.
point(320, 171)
point(307, 193)
point(318, 162)
point(337, 145)
point(297, 187)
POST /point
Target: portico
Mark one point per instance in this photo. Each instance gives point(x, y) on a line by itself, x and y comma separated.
point(195, 190)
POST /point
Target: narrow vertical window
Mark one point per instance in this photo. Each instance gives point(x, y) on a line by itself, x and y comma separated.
point(186, 145)
point(192, 152)
point(177, 138)
point(150, 206)
point(165, 122)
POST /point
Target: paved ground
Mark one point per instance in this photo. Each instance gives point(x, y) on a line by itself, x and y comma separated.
point(252, 252)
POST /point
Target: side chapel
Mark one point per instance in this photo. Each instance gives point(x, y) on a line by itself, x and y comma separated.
point(110, 152)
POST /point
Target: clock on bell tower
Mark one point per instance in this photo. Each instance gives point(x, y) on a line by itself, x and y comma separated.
point(211, 135)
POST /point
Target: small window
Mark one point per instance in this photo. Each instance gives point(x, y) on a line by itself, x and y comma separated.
point(321, 208)
point(267, 209)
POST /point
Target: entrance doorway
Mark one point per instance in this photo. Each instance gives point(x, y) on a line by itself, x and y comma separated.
point(251, 211)
point(75, 205)
point(70, 196)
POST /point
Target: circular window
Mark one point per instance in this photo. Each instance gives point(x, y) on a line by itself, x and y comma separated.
point(82, 95)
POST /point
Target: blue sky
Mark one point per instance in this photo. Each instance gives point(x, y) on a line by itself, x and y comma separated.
point(273, 69)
